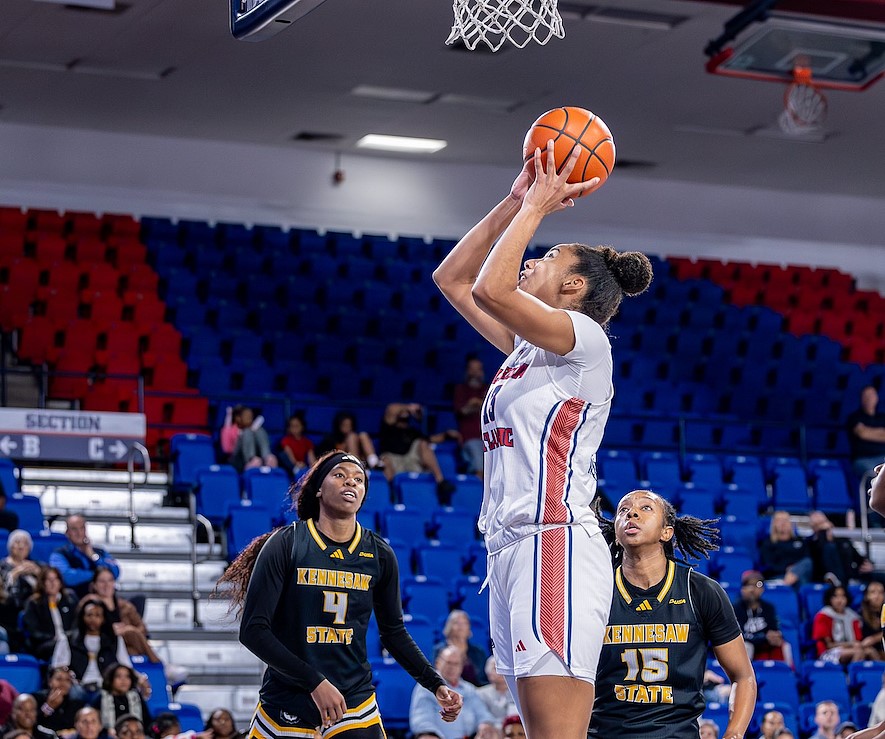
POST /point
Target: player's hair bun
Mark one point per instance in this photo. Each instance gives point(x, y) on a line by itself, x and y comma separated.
point(632, 270)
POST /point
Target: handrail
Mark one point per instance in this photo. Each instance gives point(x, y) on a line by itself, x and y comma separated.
point(130, 466)
point(864, 508)
point(197, 519)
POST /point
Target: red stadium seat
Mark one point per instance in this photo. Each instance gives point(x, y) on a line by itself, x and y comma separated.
point(49, 247)
point(122, 337)
point(62, 275)
point(121, 225)
point(801, 322)
point(12, 244)
point(84, 224)
point(164, 340)
point(59, 305)
point(15, 305)
point(191, 412)
point(13, 220)
point(141, 278)
point(102, 305)
point(102, 276)
point(90, 249)
point(146, 307)
point(47, 221)
point(81, 335)
point(127, 250)
point(170, 373)
point(37, 344)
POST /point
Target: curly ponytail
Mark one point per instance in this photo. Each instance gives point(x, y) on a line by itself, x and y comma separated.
point(611, 275)
point(239, 572)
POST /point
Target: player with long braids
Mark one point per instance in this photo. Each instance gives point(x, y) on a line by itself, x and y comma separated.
point(305, 594)
point(542, 421)
point(663, 617)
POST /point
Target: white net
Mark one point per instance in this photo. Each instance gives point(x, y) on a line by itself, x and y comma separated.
point(805, 110)
point(497, 21)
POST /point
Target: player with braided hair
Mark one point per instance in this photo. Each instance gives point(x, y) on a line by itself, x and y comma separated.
point(663, 617)
point(305, 593)
point(542, 422)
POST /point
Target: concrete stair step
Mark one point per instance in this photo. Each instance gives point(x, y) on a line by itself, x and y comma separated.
point(157, 575)
point(239, 699)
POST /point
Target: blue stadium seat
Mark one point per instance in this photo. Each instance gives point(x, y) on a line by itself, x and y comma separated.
point(662, 470)
point(477, 560)
point(811, 599)
point(217, 487)
point(393, 691)
point(747, 472)
point(245, 522)
point(865, 680)
point(705, 470)
point(416, 490)
point(188, 453)
point(9, 476)
point(268, 487)
point(825, 681)
point(425, 597)
point(468, 493)
point(45, 543)
point(440, 561)
point(161, 694)
point(730, 563)
point(785, 602)
point(470, 599)
point(718, 713)
point(790, 485)
point(776, 682)
point(860, 713)
point(189, 716)
point(831, 493)
point(30, 513)
point(619, 431)
point(618, 471)
point(452, 526)
point(22, 671)
point(738, 532)
point(740, 502)
point(405, 525)
point(696, 501)
point(422, 631)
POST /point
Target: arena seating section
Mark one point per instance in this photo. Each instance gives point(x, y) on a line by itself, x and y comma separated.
point(732, 382)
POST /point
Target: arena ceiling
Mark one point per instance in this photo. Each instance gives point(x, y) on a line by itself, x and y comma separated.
point(352, 67)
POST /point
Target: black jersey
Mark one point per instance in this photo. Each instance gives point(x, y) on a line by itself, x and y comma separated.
point(306, 614)
point(651, 670)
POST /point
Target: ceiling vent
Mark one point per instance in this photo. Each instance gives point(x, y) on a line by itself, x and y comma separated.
point(646, 19)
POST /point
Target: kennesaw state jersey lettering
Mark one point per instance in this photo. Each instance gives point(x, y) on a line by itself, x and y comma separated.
point(651, 670)
point(542, 422)
point(323, 614)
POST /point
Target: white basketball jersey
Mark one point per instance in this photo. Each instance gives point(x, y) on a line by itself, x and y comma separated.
point(542, 422)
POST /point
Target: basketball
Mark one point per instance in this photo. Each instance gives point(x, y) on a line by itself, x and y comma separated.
point(569, 128)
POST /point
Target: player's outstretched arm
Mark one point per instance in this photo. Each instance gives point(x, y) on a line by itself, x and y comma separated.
point(497, 289)
point(734, 660)
point(872, 732)
point(457, 273)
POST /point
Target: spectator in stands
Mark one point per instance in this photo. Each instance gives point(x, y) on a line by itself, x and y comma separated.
point(8, 519)
point(8, 694)
point(845, 729)
point(708, 729)
point(866, 433)
point(424, 719)
point(24, 718)
point(345, 437)
point(94, 647)
point(835, 559)
point(119, 696)
point(121, 615)
point(784, 556)
point(78, 559)
point(9, 614)
point(826, 718)
point(468, 398)
point(758, 620)
point(457, 633)
point(49, 613)
point(772, 723)
point(785, 733)
point(57, 710)
point(17, 570)
point(88, 725)
point(405, 448)
point(871, 617)
point(296, 449)
point(222, 726)
point(244, 439)
point(167, 726)
point(496, 694)
point(836, 630)
point(129, 727)
point(512, 727)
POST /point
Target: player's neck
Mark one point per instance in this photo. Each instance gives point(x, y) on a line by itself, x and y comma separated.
point(644, 568)
point(337, 529)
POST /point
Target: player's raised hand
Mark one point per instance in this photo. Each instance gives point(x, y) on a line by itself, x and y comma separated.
point(330, 702)
point(523, 180)
point(551, 191)
point(450, 702)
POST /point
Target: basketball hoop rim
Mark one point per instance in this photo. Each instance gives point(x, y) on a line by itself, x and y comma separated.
point(713, 67)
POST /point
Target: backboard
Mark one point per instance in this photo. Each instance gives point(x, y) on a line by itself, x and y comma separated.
point(841, 56)
point(256, 20)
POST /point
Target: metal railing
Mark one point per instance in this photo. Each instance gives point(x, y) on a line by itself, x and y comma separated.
point(130, 467)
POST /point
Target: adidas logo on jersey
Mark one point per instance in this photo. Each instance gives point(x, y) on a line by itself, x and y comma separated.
point(367, 554)
point(337, 554)
point(520, 647)
point(644, 606)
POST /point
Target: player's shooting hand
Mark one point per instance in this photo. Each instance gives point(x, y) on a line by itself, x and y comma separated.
point(523, 180)
point(551, 191)
point(450, 702)
point(330, 702)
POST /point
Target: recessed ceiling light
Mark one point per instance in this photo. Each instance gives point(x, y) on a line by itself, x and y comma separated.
point(400, 143)
point(394, 94)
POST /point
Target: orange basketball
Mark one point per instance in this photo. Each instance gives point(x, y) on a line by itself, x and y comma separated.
point(569, 128)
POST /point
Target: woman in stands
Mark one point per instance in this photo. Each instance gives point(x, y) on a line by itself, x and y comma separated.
point(222, 725)
point(122, 616)
point(457, 633)
point(119, 696)
point(49, 613)
point(836, 630)
point(18, 570)
point(871, 616)
point(345, 437)
point(93, 647)
point(306, 593)
point(664, 616)
point(542, 422)
point(783, 554)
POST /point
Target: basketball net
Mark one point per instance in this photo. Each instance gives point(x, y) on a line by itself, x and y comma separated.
point(805, 107)
point(496, 21)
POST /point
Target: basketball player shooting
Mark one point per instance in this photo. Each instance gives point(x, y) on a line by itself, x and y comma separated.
point(542, 421)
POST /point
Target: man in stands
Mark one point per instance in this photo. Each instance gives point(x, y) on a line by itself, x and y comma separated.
point(836, 561)
point(866, 433)
point(772, 723)
point(78, 559)
point(24, 718)
point(826, 718)
point(758, 620)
